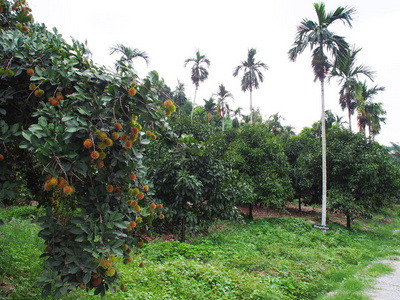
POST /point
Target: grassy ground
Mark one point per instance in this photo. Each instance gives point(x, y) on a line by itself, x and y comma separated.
point(270, 258)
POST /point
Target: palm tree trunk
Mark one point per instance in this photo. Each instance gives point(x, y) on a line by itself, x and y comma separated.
point(323, 217)
point(194, 101)
point(223, 119)
point(349, 112)
point(251, 107)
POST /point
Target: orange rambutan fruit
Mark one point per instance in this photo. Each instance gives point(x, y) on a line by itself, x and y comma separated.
point(132, 176)
point(108, 142)
point(159, 206)
point(146, 188)
point(123, 137)
point(168, 103)
point(30, 72)
point(153, 206)
point(102, 155)
point(162, 216)
point(133, 224)
point(118, 126)
point(128, 144)
point(68, 190)
point(110, 188)
point(95, 155)
point(87, 143)
point(135, 131)
point(100, 164)
point(137, 208)
point(132, 91)
point(115, 135)
point(140, 196)
point(103, 136)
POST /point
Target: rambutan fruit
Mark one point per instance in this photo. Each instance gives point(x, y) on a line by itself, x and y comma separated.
point(95, 155)
point(140, 196)
point(115, 135)
point(110, 188)
point(87, 143)
point(132, 91)
point(30, 72)
point(118, 126)
point(146, 188)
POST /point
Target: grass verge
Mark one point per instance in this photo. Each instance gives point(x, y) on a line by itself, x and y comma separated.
point(272, 258)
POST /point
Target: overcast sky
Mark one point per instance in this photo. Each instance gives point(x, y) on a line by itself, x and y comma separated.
point(172, 31)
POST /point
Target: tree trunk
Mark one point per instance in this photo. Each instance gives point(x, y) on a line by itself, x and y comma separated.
point(251, 211)
point(251, 106)
point(348, 221)
point(349, 112)
point(323, 134)
point(223, 119)
point(194, 101)
point(183, 229)
point(299, 204)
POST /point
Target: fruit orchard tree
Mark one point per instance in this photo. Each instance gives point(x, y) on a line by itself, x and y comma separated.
point(263, 164)
point(192, 178)
point(84, 130)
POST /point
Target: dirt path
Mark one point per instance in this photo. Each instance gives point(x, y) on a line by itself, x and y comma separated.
point(387, 287)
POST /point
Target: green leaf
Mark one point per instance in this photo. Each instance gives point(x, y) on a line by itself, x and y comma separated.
point(46, 290)
point(87, 277)
point(145, 142)
point(72, 129)
point(84, 111)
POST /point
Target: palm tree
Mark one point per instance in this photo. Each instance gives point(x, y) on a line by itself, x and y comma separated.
point(321, 39)
point(222, 107)
point(127, 55)
point(252, 75)
point(347, 73)
point(369, 113)
point(199, 72)
point(210, 107)
point(274, 123)
point(179, 95)
point(236, 113)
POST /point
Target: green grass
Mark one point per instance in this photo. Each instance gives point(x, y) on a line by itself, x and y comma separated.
point(276, 258)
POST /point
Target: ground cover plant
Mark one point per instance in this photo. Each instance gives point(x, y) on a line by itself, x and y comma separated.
point(269, 258)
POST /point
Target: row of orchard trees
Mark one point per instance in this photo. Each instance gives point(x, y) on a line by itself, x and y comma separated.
point(104, 153)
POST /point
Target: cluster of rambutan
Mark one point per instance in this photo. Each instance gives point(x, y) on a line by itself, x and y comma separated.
point(23, 12)
point(169, 107)
point(56, 100)
point(58, 183)
point(151, 135)
point(106, 265)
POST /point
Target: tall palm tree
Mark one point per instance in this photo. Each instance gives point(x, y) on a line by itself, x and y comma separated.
point(348, 76)
point(222, 94)
point(127, 55)
point(321, 40)
point(199, 72)
point(369, 113)
point(252, 75)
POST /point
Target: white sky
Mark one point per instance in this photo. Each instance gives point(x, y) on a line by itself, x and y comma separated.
point(172, 31)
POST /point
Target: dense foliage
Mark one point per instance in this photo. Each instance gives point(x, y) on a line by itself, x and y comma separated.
point(81, 130)
point(191, 178)
point(263, 164)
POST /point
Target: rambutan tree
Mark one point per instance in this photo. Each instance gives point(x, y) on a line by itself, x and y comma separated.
point(192, 178)
point(84, 130)
point(262, 163)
